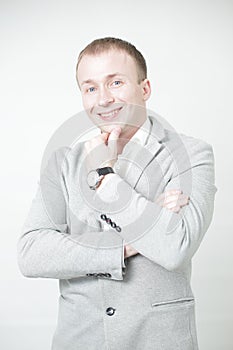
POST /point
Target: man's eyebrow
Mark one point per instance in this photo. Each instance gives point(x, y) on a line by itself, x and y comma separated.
point(88, 81)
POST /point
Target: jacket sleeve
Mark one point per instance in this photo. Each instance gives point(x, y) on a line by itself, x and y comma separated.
point(166, 238)
point(45, 249)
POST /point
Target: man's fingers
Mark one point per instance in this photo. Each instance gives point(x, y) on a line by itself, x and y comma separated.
point(104, 137)
point(112, 140)
point(176, 209)
point(180, 203)
point(167, 193)
point(114, 134)
point(179, 198)
point(169, 199)
point(100, 139)
point(173, 200)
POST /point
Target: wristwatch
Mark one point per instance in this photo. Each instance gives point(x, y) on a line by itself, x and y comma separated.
point(94, 177)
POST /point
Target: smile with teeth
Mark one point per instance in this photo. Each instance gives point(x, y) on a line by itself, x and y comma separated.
point(110, 115)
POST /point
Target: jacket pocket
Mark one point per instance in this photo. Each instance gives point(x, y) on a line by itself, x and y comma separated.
point(187, 301)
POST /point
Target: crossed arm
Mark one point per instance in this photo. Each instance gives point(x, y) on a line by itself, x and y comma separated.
point(45, 249)
point(172, 200)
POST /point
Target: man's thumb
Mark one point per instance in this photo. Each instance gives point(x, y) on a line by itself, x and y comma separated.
point(114, 135)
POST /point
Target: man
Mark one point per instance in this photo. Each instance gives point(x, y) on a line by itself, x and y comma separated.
point(117, 218)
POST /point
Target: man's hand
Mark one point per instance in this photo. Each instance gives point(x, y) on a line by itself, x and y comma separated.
point(173, 200)
point(101, 151)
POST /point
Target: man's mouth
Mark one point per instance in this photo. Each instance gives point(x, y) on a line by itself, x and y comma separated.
point(110, 115)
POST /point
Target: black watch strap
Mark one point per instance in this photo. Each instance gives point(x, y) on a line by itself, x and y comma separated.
point(104, 171)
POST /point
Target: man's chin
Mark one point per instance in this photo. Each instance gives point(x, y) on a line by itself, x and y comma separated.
point(108, 128)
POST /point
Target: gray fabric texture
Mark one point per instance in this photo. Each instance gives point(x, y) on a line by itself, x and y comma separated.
point(154, 306)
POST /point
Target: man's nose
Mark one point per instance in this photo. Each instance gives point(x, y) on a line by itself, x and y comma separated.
point(105, 97)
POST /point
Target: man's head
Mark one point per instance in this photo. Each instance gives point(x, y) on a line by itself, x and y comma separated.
point(112, 77)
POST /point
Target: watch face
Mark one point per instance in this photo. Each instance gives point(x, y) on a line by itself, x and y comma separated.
point(93, 178)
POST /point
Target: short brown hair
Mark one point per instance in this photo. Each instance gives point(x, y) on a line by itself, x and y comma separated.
point(105, 44)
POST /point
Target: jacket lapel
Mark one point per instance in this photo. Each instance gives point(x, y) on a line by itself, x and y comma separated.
point(143, 155)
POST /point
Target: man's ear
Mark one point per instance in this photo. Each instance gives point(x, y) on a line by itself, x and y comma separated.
point(146, 89)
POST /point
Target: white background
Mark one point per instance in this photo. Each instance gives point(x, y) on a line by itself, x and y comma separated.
point(189, 50)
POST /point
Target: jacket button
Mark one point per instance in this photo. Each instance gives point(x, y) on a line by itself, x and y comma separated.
point(110, 311)
point(103, 217)
point(108, 274)
point(101, 274)
point(113, 224)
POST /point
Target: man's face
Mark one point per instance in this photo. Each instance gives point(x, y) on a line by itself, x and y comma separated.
point(110, 90)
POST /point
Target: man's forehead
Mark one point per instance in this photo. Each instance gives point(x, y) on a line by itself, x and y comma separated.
point(106, 64)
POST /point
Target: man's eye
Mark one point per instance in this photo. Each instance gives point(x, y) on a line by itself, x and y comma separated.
point(117, 83)
point(91, 89)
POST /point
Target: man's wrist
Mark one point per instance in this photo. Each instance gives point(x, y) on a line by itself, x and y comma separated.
point(95, 177)
point(105, 179)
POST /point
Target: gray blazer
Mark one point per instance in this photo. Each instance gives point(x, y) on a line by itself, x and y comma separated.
point(106, 301)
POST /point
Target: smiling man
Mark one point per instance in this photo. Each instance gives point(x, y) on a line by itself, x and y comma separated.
point(117, 218)
point(113, 85)
point(110, 81)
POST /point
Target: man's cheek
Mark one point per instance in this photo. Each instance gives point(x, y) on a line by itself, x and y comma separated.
point(88, 101)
